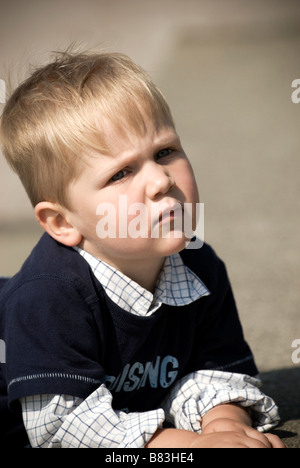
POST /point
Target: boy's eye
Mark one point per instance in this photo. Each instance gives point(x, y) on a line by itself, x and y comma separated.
point(163, 153)
point(119, 175)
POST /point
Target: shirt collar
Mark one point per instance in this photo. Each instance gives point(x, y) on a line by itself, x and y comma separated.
point(177, 285)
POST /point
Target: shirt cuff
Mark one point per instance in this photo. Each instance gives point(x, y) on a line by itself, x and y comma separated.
point(197, 393)
point(94, 424)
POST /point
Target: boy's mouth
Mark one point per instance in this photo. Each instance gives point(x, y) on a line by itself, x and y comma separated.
point(170, 213)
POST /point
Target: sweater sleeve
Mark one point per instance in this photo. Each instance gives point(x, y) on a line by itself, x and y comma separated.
point(52, 344)
point(219, 340)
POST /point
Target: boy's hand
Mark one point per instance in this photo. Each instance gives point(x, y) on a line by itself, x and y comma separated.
point(176, 438)
point(225, 426)
point(240, 433)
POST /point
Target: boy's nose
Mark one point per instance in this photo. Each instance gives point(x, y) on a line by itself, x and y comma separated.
point(159, 181)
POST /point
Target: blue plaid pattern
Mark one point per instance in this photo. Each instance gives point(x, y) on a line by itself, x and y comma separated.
point(177, 285)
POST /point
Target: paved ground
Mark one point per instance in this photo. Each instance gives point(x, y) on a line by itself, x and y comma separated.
point(226, 68)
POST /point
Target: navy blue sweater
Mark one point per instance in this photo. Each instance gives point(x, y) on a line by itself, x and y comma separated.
point(64, 335)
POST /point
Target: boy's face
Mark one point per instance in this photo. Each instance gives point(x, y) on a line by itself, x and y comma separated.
point(129, 205)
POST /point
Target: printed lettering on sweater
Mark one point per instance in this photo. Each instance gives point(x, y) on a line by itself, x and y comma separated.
point(161, 373)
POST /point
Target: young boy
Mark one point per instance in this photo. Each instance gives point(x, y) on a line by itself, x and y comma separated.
point(115, 325)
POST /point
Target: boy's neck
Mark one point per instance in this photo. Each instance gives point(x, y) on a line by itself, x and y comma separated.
point(144, 271)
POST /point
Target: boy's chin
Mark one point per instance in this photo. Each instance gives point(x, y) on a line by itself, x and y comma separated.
point(172, 245)
point(141, 247)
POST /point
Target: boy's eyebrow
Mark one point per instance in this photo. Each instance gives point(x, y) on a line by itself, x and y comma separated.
point(158, 144)
point(159, 141)
point(113, 162)
point(167, 138)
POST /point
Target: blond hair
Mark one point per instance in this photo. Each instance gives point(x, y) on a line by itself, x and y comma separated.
point(58, 113)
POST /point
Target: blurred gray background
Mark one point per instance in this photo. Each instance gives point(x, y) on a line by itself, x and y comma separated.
point(226, 68)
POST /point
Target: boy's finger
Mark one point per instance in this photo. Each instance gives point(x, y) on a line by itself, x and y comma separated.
point(275, 441)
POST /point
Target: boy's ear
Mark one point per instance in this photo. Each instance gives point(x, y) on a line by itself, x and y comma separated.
point(52, 217)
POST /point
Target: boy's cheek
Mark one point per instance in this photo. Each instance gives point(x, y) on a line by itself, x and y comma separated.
point(190, 189)
point(187, 181)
